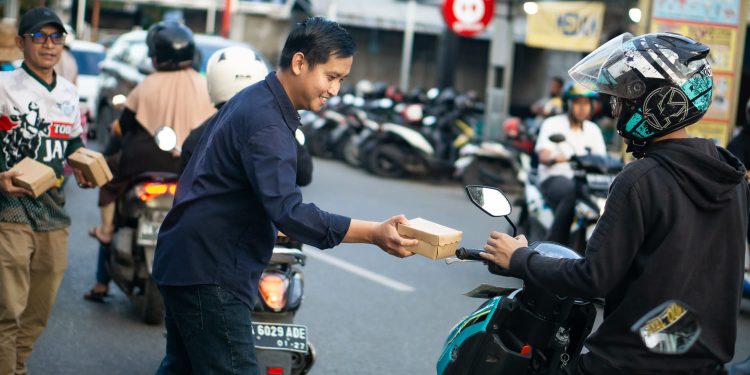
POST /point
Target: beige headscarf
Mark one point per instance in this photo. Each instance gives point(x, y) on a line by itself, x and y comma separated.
point(178, 99)
point(8, 49)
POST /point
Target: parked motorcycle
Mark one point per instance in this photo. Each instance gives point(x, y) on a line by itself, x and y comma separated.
point(139, 214)
point(488, 163)
point(593, 176)
point(515, 331)
point(421, 145)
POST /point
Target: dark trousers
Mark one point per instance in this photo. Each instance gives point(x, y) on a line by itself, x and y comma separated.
point(560, 193)
point(102, 274)
point(209, 331)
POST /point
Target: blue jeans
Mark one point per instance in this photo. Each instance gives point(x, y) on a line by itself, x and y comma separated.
point(209, 331)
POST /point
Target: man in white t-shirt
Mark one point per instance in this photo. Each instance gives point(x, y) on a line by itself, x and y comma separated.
point(39, 119)
point(555, 172)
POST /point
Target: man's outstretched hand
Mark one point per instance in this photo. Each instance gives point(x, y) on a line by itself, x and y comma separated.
point(386, 236)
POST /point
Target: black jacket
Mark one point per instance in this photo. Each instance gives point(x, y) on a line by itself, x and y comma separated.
point(673, 228)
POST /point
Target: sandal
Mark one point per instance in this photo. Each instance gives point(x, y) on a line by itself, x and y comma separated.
point(94, 296)
point(97, 234)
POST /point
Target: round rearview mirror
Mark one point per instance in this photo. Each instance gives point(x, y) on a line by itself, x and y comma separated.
point(166, 138)
point(557, 138)
point(119, 100)
point(300, 136)
point(670, 328)
point(490, 200)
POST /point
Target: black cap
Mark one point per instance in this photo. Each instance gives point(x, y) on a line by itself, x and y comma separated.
point(36, 18)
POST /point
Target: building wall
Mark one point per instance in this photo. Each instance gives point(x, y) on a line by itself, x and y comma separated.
point(378, 59)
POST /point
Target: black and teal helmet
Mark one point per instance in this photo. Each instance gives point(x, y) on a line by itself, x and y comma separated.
point(659, 82)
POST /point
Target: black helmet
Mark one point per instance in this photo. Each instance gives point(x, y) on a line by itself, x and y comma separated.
point(170, 45)
point(659, 82)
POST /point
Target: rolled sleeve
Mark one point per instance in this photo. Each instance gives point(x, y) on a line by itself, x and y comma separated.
point(270, 162)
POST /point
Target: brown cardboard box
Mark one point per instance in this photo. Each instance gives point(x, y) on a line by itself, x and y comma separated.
point(435, 241)
point(92, 164)
point(36, 177)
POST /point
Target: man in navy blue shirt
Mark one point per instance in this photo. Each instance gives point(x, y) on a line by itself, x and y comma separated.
point(237, 189)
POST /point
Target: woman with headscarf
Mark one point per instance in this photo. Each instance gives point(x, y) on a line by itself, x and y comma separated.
point(174, 96)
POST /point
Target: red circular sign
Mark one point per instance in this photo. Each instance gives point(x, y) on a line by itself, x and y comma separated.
point(468, 17)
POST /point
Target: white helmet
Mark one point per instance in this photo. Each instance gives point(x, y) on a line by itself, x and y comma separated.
point(230, 70)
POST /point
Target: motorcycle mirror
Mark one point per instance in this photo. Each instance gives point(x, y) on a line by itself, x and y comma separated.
point(490, 200)
point(670, 328)
point(429, 120)
point(166, 138)
point(300, 136)
point(557, 138)
point(119, 100)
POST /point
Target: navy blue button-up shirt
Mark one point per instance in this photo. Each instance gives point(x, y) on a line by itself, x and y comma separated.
point(238, 187)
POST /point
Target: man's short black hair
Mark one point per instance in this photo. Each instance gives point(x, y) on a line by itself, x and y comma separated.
point(559, 80)
point(317, 38)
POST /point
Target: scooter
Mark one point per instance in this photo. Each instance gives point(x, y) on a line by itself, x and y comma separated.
point(488, 163)
point(139, 214)
point(515, 331)
point(593, 176)
point(282, 347)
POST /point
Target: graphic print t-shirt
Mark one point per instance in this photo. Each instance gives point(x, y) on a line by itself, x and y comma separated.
point(41, 121)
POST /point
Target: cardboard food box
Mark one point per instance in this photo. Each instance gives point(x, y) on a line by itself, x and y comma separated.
point(92, 165)
point(37, 177)
point(435, 241)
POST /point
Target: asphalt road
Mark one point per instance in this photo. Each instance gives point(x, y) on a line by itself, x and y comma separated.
point(366, 312)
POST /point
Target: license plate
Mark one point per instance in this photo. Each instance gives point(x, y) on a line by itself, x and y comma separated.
point(148, 232)
point(275, 336)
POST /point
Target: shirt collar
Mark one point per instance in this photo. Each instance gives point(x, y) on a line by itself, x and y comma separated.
point(48, 86)
point(291, 116)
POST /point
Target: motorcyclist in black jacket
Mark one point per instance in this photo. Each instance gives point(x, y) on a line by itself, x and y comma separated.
point(675, 222)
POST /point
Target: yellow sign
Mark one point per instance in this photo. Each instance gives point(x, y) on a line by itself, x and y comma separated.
point(720, 26)
point(714, 131)
point(569, 25)
point(721, 40)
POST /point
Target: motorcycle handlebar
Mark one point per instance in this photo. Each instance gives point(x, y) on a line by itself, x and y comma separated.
point(469, 254)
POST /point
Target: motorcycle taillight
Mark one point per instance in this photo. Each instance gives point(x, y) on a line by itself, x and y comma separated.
point(272, 288)
point(151, 190)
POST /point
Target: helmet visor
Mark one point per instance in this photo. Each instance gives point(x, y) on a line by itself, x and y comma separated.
point(607, 70)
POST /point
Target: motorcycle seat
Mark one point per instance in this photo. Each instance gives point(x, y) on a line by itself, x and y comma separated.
point(283, 255)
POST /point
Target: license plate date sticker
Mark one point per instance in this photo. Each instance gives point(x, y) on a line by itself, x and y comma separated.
point(275, 336)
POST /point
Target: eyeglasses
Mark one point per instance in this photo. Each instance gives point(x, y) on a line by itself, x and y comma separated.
point(41, 38)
